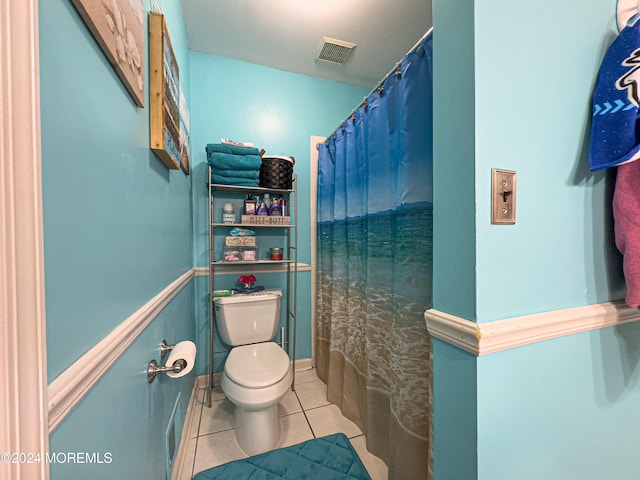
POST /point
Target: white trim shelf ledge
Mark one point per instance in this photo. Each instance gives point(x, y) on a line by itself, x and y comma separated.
point(219, 187)
point(251, 225)
point(255, 269)
point(250, 262)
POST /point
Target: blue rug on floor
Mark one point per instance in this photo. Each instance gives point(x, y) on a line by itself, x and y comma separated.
point(325, 458)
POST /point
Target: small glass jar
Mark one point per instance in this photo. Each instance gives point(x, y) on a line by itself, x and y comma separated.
point(227, 213)
point(275, 253)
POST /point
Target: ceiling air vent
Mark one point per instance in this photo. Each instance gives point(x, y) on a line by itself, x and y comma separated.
point(334, 51)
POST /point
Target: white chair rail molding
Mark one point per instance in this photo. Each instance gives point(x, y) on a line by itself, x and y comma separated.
point(490, 337)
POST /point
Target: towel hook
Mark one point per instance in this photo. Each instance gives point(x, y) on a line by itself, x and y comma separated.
point(625, 10)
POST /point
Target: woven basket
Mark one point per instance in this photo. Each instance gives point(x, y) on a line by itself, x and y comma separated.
point(277, 172)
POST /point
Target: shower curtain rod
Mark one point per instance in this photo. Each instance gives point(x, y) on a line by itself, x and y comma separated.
point(384, 79)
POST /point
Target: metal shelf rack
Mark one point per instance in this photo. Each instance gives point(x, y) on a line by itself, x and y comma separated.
point(288, 265)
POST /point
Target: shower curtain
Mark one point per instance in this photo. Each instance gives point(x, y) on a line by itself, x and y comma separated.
point(374, 267)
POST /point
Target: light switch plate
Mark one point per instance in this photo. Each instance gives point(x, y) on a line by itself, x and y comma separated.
point(503, 197)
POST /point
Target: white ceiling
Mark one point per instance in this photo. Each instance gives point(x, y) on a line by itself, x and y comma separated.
point(285, 34)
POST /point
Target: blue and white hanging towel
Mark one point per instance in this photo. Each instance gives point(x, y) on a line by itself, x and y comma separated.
point(615, 132)
point(615, 141)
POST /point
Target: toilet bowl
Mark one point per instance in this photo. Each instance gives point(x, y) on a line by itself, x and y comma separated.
point(257, 373)
point(255, 379)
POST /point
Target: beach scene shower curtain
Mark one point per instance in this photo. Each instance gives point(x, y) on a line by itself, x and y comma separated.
point(374, 267)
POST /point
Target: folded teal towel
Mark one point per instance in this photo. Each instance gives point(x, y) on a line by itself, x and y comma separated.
point(244, 182)
point(248, 174)
point(232, 149)
point(228, 161)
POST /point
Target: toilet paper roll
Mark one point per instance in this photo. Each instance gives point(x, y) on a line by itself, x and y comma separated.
point(186, 351)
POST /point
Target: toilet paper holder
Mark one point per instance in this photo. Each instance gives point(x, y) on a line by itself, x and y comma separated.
point(153, 370)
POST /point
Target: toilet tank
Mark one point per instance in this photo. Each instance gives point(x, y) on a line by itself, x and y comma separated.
point(244, 319)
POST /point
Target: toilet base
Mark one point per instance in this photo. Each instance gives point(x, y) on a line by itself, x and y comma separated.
point(257, 431)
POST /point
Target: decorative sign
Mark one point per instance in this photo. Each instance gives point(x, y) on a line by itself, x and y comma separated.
point(164, 94)
point(185, 128)
point(118, 27)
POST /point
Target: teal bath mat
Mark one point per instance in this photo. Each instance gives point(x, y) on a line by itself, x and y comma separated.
point(325, 458)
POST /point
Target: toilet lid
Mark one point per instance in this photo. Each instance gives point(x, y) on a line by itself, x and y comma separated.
point(257, 365)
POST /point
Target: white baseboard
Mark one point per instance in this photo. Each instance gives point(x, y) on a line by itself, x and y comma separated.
point(490, 337)
point(180, 465)
point(304, 364)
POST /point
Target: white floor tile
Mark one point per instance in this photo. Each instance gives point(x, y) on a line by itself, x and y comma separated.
point(328, 420)
point(200, 394)
point(289, 405)
point(216, 449)
point(216, 394)
point(312, 394)
point(216, 443)
point(377, 468)
point(217, 418)
point(295, 429)
point(306, 376)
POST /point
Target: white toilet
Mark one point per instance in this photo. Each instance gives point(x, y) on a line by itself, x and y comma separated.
point(257, 372)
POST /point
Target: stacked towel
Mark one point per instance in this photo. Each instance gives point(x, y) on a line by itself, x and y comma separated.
point(232, 149)
point(234, 165)
point(228, 161)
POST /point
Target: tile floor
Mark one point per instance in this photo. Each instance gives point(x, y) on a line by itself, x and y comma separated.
point(304, 414)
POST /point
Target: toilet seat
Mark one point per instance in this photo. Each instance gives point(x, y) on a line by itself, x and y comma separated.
point(259, 365)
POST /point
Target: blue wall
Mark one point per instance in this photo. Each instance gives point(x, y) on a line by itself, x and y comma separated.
point(564, 408)
point(534, 80)
point(569, 406)
point(125, 416)
point(453, 147)
point(455, 418)
point(117, 228)
point(277, 111)
point(454, 249)
point(117, 222)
